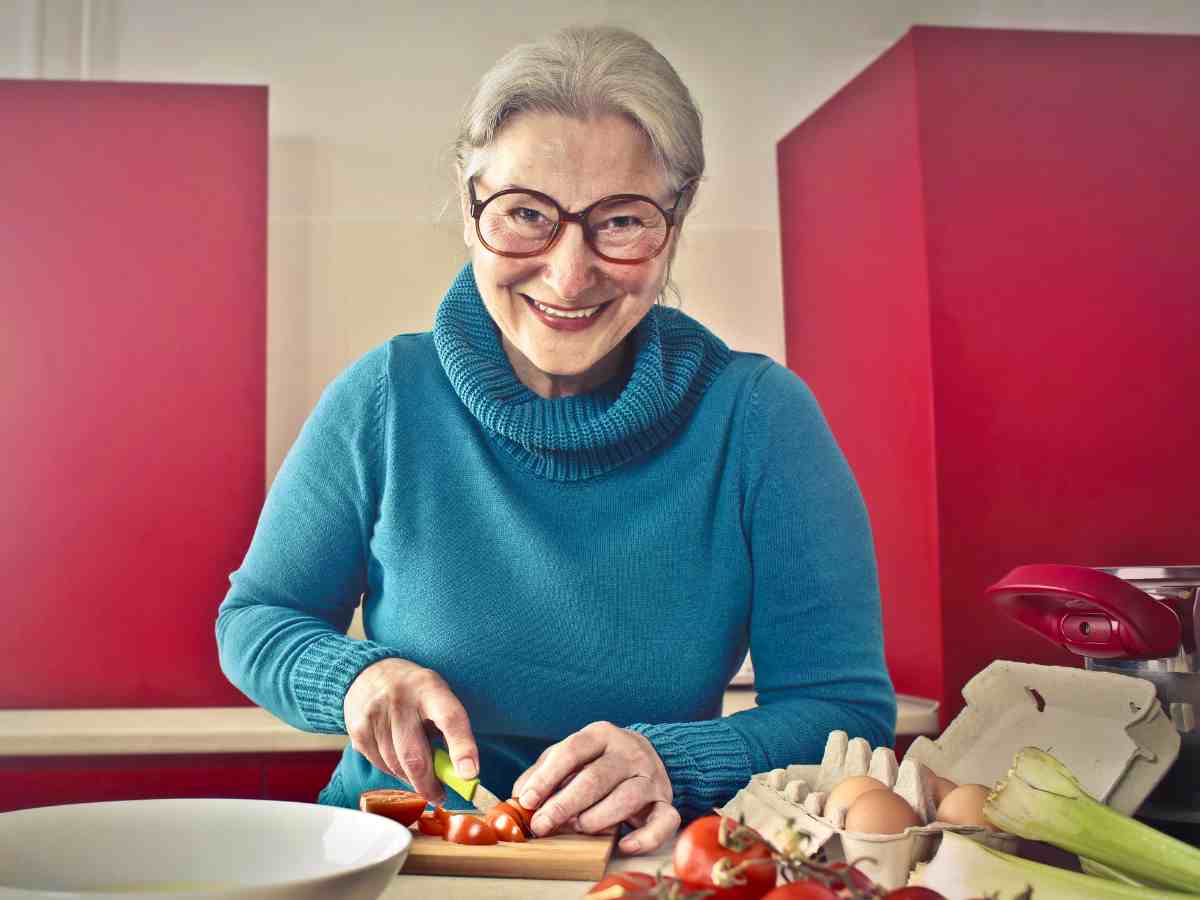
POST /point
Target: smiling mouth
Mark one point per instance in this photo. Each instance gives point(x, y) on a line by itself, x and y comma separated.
point(555, 312)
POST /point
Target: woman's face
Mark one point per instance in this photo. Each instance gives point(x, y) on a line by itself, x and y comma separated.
point(575, 162)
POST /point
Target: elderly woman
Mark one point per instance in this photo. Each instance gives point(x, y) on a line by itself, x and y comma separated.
point(568, 510)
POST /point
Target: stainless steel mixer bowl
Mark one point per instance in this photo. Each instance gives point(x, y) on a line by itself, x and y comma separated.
point(1176, 680)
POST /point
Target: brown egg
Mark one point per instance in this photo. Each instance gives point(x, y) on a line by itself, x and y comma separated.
point(880, 812)
point(846, 791)
point(964, 806)
point(941, 788)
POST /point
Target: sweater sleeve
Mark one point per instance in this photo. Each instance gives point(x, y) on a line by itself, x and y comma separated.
point(816, 635)
point(281, 629)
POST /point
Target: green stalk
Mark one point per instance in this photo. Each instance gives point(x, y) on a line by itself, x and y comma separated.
point(1042, 801)
point(965, 868)
point(1100, 870)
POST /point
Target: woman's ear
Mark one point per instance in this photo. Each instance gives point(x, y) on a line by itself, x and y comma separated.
point(464, 205)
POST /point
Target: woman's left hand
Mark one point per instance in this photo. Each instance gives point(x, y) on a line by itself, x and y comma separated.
point(597, 778)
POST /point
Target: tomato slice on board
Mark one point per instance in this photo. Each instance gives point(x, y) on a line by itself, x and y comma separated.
point(433, 822)
point(403, 806)
point(464, 828)
point(506, 825)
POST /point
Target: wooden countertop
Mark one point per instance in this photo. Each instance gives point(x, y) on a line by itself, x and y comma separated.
point(245, 729)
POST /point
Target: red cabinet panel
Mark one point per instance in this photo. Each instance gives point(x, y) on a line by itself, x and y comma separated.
point(298, 776)
point(46, 781)
point(28, 782)
point(132, 384)
point(990, 276)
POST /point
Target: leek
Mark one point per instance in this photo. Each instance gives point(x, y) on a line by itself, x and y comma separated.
point(1042, 801)
point(964, 868)
point(1100, 870)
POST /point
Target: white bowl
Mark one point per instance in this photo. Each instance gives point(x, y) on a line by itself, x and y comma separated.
point(251, 849)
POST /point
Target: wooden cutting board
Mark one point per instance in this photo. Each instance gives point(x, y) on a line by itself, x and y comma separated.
point(570, 857)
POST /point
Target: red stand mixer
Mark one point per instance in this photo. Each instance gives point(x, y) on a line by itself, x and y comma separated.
point(1139, 621)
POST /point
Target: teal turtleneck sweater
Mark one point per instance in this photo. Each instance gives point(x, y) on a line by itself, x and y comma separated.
point(609, 556)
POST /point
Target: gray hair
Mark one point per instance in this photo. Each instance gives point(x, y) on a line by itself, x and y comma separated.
point(583, 72)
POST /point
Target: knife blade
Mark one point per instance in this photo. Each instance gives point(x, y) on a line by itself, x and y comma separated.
point(468, 788)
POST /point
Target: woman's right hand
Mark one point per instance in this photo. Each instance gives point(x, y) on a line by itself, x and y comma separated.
point(387, 709)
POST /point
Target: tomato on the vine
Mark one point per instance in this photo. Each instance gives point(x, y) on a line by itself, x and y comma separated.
point(848, 873)
point(643, 886)
point(717, 852)
point(801, 890)
point(914, 892)
point(622, 884)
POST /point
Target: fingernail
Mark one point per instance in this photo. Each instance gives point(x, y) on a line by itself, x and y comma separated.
point(529, 800)
point(630, 845)
point(540, 822)
point(466, 767)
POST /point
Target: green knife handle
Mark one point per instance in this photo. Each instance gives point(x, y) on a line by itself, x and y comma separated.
point(443, 768)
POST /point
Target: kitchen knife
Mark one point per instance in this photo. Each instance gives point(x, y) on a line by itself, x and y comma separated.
point(468, 788)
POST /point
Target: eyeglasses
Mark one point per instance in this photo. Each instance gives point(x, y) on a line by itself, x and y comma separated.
point(621, 228)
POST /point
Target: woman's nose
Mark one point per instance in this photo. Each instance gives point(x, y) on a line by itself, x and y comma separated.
point(570, 263)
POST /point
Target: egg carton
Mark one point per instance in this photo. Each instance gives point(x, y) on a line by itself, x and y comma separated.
point(1108, 729)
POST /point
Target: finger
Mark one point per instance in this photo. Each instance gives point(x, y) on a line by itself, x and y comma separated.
point(416, 759)
point(524, 777)
point(590, 785)
point(449, 716)
point(661, 823)
point(561, 760)
point(383, 745)
point(622, 804)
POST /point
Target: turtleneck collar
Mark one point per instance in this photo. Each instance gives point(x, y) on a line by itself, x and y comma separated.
point(675, 359)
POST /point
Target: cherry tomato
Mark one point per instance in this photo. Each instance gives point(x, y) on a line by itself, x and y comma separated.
point(716, 852)
point(506, 826)
point(623, 884)
point(802, 890)
point(514, 816)
point(433, 822)
point(403, 806)
point(641, 886)
point(856, 878)
point(915, 892)
point(464, 828)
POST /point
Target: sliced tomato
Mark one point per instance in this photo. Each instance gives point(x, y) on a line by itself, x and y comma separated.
point(507, 827)
point(464, 828)
point(433, 822)
point(403, 806)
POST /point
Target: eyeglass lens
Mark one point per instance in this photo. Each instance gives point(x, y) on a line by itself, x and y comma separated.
point(621, 229)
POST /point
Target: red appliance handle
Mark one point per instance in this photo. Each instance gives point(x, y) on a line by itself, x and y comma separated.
point(1088, 612)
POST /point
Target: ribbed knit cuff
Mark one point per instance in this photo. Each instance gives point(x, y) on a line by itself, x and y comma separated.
point(325, 672)
point(707, 762)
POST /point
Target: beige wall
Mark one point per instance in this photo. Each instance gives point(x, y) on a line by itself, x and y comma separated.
point(364, 98)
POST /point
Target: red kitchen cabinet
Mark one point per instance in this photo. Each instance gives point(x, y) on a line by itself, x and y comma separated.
point(132, 385)
point(46, 781)
point(992, 285)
